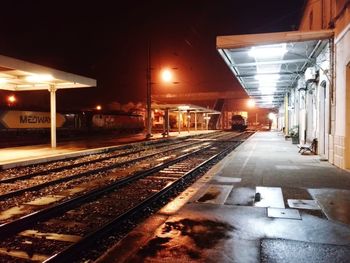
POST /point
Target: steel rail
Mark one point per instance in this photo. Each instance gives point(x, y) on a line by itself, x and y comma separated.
point(163, 143)
point(70, 252)
point(87, 173)
point(24, 222)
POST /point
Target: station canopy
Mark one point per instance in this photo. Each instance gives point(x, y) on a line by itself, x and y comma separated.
point(19, 75)
point(184, 108)
point(268, 65)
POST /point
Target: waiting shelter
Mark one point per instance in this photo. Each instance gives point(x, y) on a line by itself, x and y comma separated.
point(19, 75)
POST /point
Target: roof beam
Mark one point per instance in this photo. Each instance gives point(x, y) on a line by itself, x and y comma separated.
point(239, 41)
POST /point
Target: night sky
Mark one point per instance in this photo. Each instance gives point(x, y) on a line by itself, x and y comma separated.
point(109, 42)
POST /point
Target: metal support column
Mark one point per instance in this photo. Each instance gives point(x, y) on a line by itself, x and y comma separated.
point(149, 94)
point(188, 116)
point(166, 122)
point(195, 121)
point(179, 120)
point(53, 115)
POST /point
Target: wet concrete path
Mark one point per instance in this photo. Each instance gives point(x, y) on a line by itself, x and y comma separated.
point(263, 203)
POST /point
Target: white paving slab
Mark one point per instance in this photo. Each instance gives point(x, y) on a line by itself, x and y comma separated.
point(270, 197)
point(283, 213)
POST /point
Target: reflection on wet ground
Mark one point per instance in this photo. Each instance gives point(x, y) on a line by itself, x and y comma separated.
point(186, 237)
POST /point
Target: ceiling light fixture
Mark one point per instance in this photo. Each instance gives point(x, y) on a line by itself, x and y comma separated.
point(39, 78)
point(3, 80)
point(268, 51)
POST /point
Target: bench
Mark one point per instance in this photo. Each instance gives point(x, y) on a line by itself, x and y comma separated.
point(303, 148)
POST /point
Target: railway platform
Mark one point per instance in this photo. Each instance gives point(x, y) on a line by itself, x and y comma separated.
point(264, 202)
point(27, 155)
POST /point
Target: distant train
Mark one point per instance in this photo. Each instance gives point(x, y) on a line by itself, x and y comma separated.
point(37, 121)
point(238, 123)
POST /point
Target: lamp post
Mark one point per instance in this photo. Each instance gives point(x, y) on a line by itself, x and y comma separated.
point(166, 76)
point(149, 100)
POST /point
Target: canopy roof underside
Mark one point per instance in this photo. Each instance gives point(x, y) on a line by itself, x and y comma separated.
point(18, 75)
point(268, 65)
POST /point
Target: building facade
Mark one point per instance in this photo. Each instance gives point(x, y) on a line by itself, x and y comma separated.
point(320, 104)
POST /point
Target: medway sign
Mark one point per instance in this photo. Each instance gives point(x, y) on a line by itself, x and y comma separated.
point(29, 120)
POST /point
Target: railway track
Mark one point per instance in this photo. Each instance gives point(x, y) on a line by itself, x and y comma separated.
point(116, 157)
point(23, 196)
point(59, 231)
point(14, 174)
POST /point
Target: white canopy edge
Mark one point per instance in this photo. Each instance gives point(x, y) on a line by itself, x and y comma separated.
point(188, 107)
point(241, 41)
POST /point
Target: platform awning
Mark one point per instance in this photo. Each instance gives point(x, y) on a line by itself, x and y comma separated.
point(184, 108)
point(268, 65)
point(19, 75)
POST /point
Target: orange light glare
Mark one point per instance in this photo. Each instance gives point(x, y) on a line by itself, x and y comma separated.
point(98, 107)
point(272, 116)
point(166, 75)
point(251, 103)
point(11, 99)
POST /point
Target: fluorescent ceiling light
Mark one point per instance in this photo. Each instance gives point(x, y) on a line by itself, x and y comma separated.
point(268, 51)
point(267, 78)
point(39, 78)
point(267, 91)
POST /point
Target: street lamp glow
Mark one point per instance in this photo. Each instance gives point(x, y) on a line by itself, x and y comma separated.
point(11, 99)
point(166, 75)
point(251, 103)
point(272, 116)
point(98, 107)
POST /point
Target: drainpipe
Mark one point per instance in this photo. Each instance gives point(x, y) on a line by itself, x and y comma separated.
point(286, 123)
point(332, 78)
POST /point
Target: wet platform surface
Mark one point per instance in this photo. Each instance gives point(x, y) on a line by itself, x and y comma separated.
point(219, 218)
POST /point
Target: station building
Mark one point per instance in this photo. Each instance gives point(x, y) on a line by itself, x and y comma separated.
point(306, 77)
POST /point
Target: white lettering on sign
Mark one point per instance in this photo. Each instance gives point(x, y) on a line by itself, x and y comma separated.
point(34, 119)
point(29, 119)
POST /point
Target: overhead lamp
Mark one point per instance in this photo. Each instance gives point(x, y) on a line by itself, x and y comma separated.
point(268, 99)
point(184, 107)
point(11, 99)
point(272, 116)
point(3, 80)
point(166, 75)
point(267, 78)
point(39, 78)
point(251, 103)
point(267, 90)
point(268, 51)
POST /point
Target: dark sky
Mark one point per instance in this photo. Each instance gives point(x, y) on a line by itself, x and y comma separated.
point(108, 40)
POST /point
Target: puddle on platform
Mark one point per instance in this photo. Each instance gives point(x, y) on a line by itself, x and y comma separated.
point(216, 194)
point(185, 239)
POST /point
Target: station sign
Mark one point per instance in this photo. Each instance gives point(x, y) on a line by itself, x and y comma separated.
point(29, 120)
